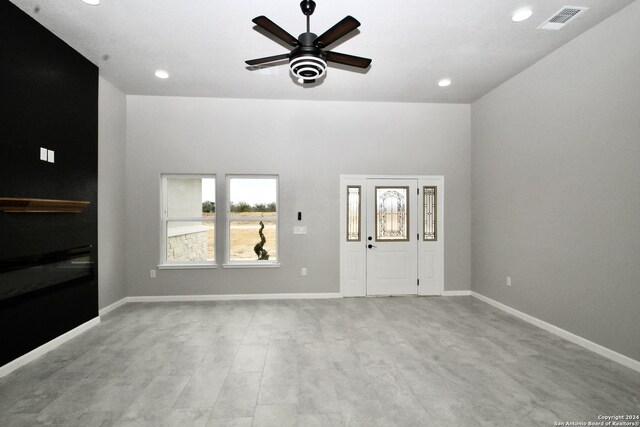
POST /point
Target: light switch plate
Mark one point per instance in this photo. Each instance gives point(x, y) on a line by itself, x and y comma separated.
point(43, 154)
point(51, 156)
point(299, 230)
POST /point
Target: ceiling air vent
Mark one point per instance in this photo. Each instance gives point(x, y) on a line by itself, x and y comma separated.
point(562, 17)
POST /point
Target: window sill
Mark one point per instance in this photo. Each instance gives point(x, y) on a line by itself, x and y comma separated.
point(252, 265)
point(186, 266)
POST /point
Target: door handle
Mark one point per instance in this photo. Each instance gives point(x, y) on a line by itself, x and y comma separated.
point(371, 246)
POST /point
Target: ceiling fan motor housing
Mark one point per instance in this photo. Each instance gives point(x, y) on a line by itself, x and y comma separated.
point(307, 62)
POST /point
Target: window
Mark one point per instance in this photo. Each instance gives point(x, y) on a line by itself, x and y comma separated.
point(430, 200)
point(252, 220)
point(353, 213)
point(188, 220)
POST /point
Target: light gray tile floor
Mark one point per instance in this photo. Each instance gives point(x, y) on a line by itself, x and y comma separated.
point(447, 361)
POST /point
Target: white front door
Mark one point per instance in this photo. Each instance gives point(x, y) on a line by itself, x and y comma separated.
point(392, 237)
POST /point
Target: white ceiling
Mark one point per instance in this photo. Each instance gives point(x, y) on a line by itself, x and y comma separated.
point(413, 44)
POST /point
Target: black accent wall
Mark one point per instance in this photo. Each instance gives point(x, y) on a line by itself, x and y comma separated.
point(48, 98)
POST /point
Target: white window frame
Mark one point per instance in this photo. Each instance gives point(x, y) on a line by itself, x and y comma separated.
point(164, 219)
point(231, 217)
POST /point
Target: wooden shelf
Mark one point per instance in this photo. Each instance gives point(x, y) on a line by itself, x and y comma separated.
point(20, 205)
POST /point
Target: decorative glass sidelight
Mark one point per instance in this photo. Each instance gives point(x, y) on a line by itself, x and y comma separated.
point(353, 213)
point(392, 213)
point(430, 204)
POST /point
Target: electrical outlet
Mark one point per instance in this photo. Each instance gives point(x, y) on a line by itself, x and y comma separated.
point(303, 272)
point(508, 281)
point(152, 273)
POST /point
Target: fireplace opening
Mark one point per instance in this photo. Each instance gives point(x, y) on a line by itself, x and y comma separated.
point(22, 275)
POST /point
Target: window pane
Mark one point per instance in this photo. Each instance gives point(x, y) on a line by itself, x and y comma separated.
point(392, 217)
point(249, 241)
point(253, 219)
point(253, 197)
point(189, 197)
point(430, 219)
point(353, 213)
point(190, 241)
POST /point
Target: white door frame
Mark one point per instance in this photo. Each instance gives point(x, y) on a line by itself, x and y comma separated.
point(353, 256)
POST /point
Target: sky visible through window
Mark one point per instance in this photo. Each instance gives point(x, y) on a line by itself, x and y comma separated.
point(248, 190)
point(252, 191)
point(208, 189)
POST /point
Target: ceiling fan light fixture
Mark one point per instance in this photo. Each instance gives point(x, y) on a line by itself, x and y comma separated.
point(444, 82)
point(521, 15)
point(91, 2)
point(307, 67)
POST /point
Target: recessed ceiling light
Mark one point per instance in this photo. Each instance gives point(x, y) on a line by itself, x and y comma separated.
point(162, 74)
point(444, 82)
point(521, 15)
point(92, 2)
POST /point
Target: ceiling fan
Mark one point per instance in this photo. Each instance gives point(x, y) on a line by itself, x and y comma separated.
point(308, 59)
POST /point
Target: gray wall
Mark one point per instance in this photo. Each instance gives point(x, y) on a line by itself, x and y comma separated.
point(308, 144)
point(556, 187)
point(112, 119)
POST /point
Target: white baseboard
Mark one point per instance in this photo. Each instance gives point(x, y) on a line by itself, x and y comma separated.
point(236, 297)
point(47, 347)
point(456, 293)
point(562, 333)
point(111, 307)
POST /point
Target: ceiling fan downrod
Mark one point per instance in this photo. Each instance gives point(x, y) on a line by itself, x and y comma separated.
point(308, 7)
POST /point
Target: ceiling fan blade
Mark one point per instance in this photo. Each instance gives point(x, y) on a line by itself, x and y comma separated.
point(266, 59)
point(270, 26)
point(342, 28)
point(342, 58)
